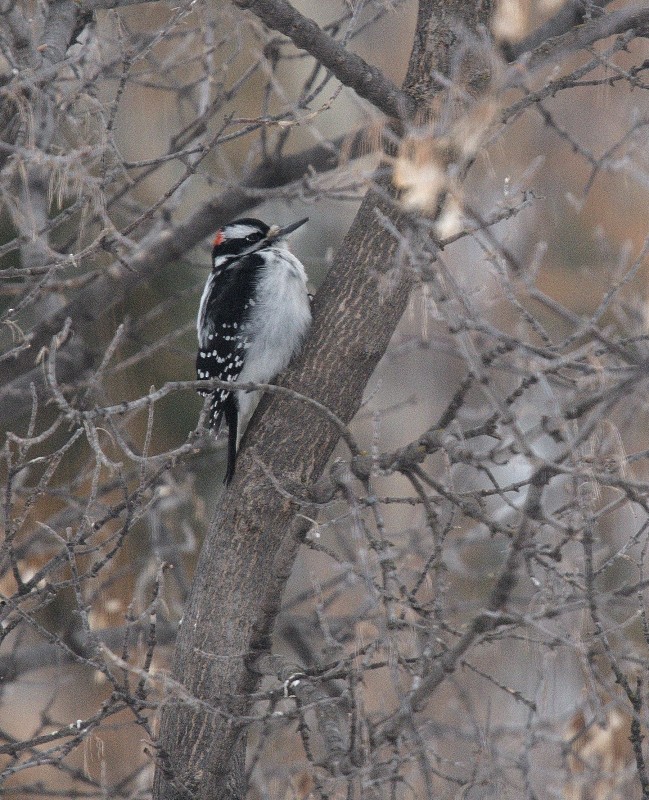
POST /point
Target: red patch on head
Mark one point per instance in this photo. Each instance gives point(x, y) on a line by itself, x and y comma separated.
point(218, 239)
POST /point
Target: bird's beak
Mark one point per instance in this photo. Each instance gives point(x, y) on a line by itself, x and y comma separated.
point(279, 233)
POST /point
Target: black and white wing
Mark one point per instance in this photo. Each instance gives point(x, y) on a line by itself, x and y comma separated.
point(227, 298)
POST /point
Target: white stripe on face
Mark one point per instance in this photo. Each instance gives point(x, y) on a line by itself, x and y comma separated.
point(238, 231)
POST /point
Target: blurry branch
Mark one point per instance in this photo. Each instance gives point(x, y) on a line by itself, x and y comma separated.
point(635, 20)
point(60, 26)
point(351, 70)
point(572, 13)
point(31, 187)
point(79, 647)
point(437, 668)
point(574, 78)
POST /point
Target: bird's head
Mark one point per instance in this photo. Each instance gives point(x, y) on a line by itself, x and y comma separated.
point(245, 236)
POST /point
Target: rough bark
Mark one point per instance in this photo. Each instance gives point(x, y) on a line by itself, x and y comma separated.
point(250, 548)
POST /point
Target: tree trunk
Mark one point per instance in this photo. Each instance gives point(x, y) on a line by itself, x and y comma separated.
point(250, 548)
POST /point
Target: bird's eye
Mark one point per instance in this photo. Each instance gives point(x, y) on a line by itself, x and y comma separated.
point(252, 237)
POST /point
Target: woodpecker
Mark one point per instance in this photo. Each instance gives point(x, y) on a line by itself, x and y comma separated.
point(253, 317)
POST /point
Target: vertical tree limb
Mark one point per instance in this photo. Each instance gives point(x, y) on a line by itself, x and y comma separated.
point(251, 545)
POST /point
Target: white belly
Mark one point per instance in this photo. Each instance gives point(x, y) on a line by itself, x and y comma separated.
point(282, 316)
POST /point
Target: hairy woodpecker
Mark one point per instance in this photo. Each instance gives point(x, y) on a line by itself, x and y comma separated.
point(253, 317)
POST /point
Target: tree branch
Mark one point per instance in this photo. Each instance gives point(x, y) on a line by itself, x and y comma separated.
point(442, 665)
point(569, 15)
point(25, 659)
point(59, 29)
point(351, 70)
point(582, 36)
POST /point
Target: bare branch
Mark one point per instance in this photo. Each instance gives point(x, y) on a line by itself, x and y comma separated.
point(635, 20)
point(351, 70)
